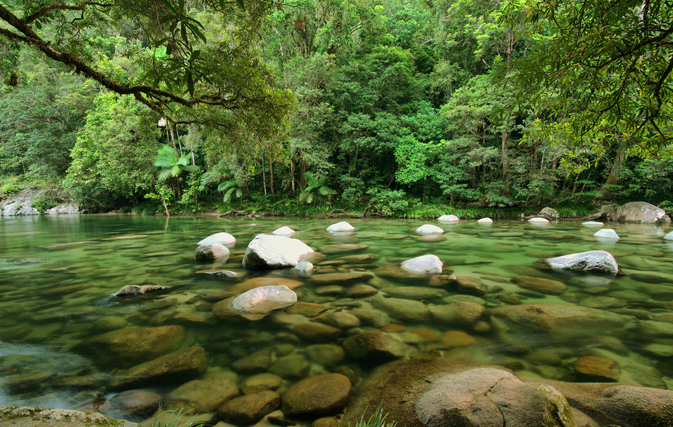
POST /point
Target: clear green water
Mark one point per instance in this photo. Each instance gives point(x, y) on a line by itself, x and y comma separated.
point(57, 275)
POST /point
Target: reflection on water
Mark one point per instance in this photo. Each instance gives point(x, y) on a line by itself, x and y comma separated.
point(58, 274)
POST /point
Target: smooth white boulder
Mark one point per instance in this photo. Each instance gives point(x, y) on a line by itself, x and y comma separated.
point(283, 231)
point(485, 221)
point(426, 264)
point(592, 224)
point(448, 218)
point(538, 221)
point(591, 261)
point(269, 251)
point(669, 236)
point(429, 229)
point(606, 233)
point(304, 268)
point(265, 299)
point(221, 238)
point(340, 226)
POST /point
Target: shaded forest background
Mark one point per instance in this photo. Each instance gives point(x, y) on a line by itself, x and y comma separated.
point(396, 107)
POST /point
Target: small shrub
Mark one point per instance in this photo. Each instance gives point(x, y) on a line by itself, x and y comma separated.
point(44, 201)
point(11, 185)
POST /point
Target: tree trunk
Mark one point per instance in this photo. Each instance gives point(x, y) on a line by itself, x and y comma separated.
point(505, 159)
point(273, 193)
point(613, 178)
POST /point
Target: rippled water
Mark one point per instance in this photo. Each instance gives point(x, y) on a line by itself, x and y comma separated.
point(58, 274)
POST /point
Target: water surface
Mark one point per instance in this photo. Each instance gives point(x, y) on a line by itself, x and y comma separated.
point(58, 274)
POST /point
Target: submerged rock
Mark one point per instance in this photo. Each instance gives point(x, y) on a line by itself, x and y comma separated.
point(135, 290)
point(340, 226)
point(591, 261)
point(429, 229)
point(538, 221)
point(249, 409)
point(267, 251)
point(342, 247)
point(126, 347)
point(320, 395)
point(201, 396)
point(464, 314)
point(562, 321)
point(137, 403)
point(485, 221)
point(374, 347)
point(176, 367)
point(211, 252)
point(597, 369)
point(607, 233)
point(403, 309)
point(541, 285)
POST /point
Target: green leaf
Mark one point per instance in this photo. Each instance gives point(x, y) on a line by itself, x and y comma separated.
point(190, 83)
point(183, 32)
point(195, 55)
point(240, 4)
point(38, 25)
point(169, 49)
point(197, 33)
point(227, 196)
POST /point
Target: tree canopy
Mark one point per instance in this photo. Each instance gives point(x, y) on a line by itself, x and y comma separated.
point(192, 62)
point(600, 69)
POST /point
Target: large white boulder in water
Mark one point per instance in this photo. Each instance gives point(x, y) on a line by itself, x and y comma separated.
point(426, 264)
point(485, 221)
point(669, 236)
point(429, 229)
point(448, 218)
point(640, 212)
point(607, 233)
point(269, 251)
point(538, 221)
point(591, 261)
point(340, 226)
point(221, 238)
point(265, 299)
point(283, 231)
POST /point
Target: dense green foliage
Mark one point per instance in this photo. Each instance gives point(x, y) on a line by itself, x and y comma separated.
point(392, 107)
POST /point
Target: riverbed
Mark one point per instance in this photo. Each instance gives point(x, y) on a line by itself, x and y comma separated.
point(58, 276)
